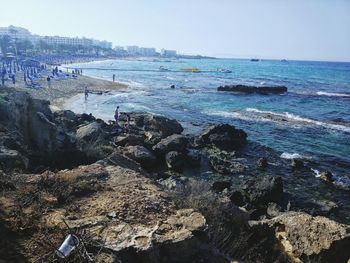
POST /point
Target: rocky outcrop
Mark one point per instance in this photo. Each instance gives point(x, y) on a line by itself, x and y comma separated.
point(225, 162)
point(174, 142)
point(141, 155)
point(158, 124)
point(222, 136)
point(253, 89)
point(90, 132)
point(127, 213)
point(262, 190)
point(305, 238)
point(175, 160)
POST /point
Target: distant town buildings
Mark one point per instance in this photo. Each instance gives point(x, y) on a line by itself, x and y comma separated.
point(22, 34)
point(168, 53)
point(145, 52)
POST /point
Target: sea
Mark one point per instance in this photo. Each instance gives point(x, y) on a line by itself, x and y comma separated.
point(311, 121)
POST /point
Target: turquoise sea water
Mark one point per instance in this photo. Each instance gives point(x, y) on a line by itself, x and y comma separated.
point(312, 120)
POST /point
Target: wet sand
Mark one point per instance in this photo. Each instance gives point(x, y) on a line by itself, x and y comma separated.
point(61, 90)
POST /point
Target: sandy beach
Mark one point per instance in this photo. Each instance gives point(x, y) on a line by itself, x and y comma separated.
point(61, 90)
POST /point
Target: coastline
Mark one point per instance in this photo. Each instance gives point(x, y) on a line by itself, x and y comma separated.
point(61, 90)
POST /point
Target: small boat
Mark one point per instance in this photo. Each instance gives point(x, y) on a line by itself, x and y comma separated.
point(222, 70)
point(196, 70)
point(161, 68)
point(283, 60)
point(254, 60)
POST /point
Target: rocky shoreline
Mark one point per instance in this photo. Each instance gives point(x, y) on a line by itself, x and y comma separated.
point(140, 196)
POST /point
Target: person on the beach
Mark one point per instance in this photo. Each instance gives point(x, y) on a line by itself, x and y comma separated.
point(113, 77)
point(116, 116)
point(48, 81)
point(86, 92)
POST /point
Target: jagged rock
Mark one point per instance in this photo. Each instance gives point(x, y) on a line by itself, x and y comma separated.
point(90, 132)
point(175, 142)
point(129, 140)
point(141, 155)
point(158, 124)
point(327, 176)
point(193, 157)
point(171, 183)
point(152, 138)
point(225, 162)
point(219, 186)
point(165, 126)
point(305, 238)
point(82, 118)
point(262, 163)
point(273, 210)
point(12, 159)
point(175, 160)
point(252, 89)
point(223, 136)
point(262, 190)
point(237, 198)
point(66, 118)
point(33, 119)
point(297, 163)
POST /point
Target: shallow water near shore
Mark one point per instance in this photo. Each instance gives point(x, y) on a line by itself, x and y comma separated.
point(311, 121)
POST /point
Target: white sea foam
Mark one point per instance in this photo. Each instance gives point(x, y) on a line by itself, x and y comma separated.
point(290, 117)
point(332, 94)
point(290, 156)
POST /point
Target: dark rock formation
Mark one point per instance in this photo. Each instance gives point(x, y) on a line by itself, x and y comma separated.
point(159, 124)
point(297, 163)
point(219, 186)
point(175, 160)
point(253, 89)
point(175, 142)
point(262, 190)
point(262, 163)
point(223, 136)
point(225, 162)
point(141, 155)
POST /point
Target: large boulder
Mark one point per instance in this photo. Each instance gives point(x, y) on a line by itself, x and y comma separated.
point(141, 155)
point(175, 142)
point(223, 136)
point(175, 160)
point(262, 190)
point(164, 126)
point(310, 239)
point(156, 123)
point(90, 132)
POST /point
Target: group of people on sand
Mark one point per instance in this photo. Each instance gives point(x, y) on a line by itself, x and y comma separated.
point(116, 118)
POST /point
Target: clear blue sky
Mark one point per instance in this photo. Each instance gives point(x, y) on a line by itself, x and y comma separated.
point(291, 29)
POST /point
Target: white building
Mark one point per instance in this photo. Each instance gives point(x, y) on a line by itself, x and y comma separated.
point(168, 53)
point(74, 41)
point(147, 52)
point(22, 33)
point(133, 50)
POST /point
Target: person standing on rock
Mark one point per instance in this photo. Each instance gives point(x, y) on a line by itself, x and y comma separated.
point(113, 77)
point(116, 116)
